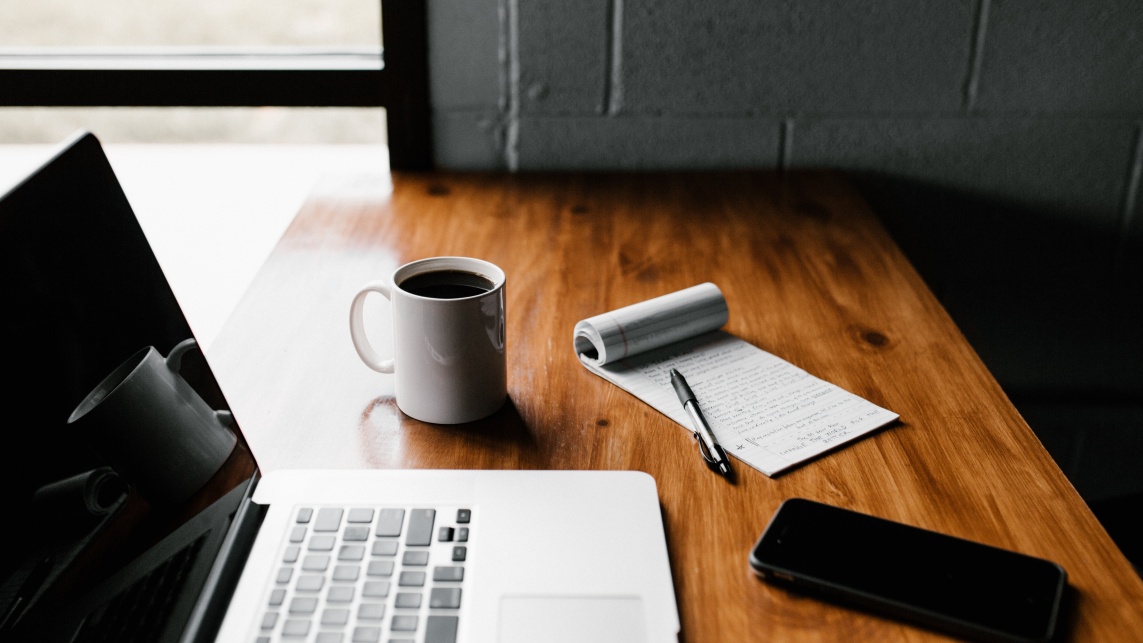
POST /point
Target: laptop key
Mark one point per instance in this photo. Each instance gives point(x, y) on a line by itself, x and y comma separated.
point(371, 612)
point(329, 637)
point(356, 533)
point(291, 555)
point(380, 568)
point(303, 605)
point(444, 534)
point(346, 572)
point(322, 542)
point(463, 516)
point(444, 597)
point(277, 597)
point(389, 522)
point(462, 535)
point(403, 623)
point(335, 616)
point(448, 574)
point(298, 534)
point(385, 548)
point(304, 515)
point(340, 594)
point(459, 553)
point(364, 634)
point(375, 589)
point(440, 629)
point(269, 620)
point(315, 563)
point(420, 527)
point(285, 574)
point(296, 628)
point(408, 600)
point(415, 558)
point(328, 519)
point(310, 583)
point(411, 579)
point(351, 552)
point(360, 515)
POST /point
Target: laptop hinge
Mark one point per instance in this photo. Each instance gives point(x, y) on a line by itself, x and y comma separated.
point(223, 578)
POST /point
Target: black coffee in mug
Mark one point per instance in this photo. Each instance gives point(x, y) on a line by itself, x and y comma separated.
point(447, 284)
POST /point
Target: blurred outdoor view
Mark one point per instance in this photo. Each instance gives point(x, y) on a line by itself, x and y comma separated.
point(337, 25)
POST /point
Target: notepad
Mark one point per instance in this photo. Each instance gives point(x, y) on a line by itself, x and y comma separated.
point(765, 411)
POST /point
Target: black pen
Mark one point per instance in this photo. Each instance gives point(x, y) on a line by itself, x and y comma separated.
point(708, 445)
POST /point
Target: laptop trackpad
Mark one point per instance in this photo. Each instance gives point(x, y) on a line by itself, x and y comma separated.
point(567, 619)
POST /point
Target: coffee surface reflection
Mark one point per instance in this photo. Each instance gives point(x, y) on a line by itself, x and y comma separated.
point(447, 284)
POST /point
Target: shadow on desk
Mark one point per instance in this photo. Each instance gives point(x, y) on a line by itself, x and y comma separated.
point(1052, 301)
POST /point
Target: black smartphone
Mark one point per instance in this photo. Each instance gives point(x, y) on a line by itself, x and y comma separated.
point(938, 581)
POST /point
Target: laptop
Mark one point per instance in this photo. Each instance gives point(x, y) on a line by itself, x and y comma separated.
point(304, 555)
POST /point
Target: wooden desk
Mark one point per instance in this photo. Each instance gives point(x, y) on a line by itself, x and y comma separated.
point(809, 274)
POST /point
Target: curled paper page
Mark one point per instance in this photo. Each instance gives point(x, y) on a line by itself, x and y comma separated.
point(650, 324)
point(92, 493)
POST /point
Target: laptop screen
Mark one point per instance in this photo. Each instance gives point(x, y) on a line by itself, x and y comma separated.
point(83, 293)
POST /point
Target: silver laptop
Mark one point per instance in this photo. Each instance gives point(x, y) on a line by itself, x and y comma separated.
point(320, 555)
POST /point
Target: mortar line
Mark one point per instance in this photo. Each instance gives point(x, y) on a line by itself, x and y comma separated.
point(512, 133)
point(502, 54)
point(785, 143)
point(976, 55)
point(613, 65)
point(1130, 201)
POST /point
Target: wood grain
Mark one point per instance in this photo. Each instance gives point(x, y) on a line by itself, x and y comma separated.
point(809, 274)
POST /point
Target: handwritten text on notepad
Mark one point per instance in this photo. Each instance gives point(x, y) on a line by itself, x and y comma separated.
point(764, 410)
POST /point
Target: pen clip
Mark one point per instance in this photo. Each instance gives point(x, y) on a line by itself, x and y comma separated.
point(704, 450)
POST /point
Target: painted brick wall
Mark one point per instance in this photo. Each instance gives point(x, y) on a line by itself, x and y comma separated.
point(1036, 104)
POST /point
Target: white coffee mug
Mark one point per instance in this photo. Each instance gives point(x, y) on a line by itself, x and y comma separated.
point(448, 338)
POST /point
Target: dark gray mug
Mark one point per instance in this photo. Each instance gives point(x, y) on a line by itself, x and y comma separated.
point(153, 428)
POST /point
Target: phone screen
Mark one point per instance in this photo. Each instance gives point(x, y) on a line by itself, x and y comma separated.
point(939, 580)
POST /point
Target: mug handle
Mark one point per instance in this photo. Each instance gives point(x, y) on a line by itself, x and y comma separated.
point(174, 360)
point(357, 327)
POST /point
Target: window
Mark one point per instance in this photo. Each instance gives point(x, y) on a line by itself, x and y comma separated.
point(221, 54)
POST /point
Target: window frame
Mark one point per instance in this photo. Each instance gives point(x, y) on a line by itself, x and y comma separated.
point(395, 77)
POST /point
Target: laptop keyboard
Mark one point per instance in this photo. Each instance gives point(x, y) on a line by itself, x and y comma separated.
point(369, 575)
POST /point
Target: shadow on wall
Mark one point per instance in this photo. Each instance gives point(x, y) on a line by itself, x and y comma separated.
point(1054, 307)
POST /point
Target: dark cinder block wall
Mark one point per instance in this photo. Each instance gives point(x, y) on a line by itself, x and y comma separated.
point(999, 139)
